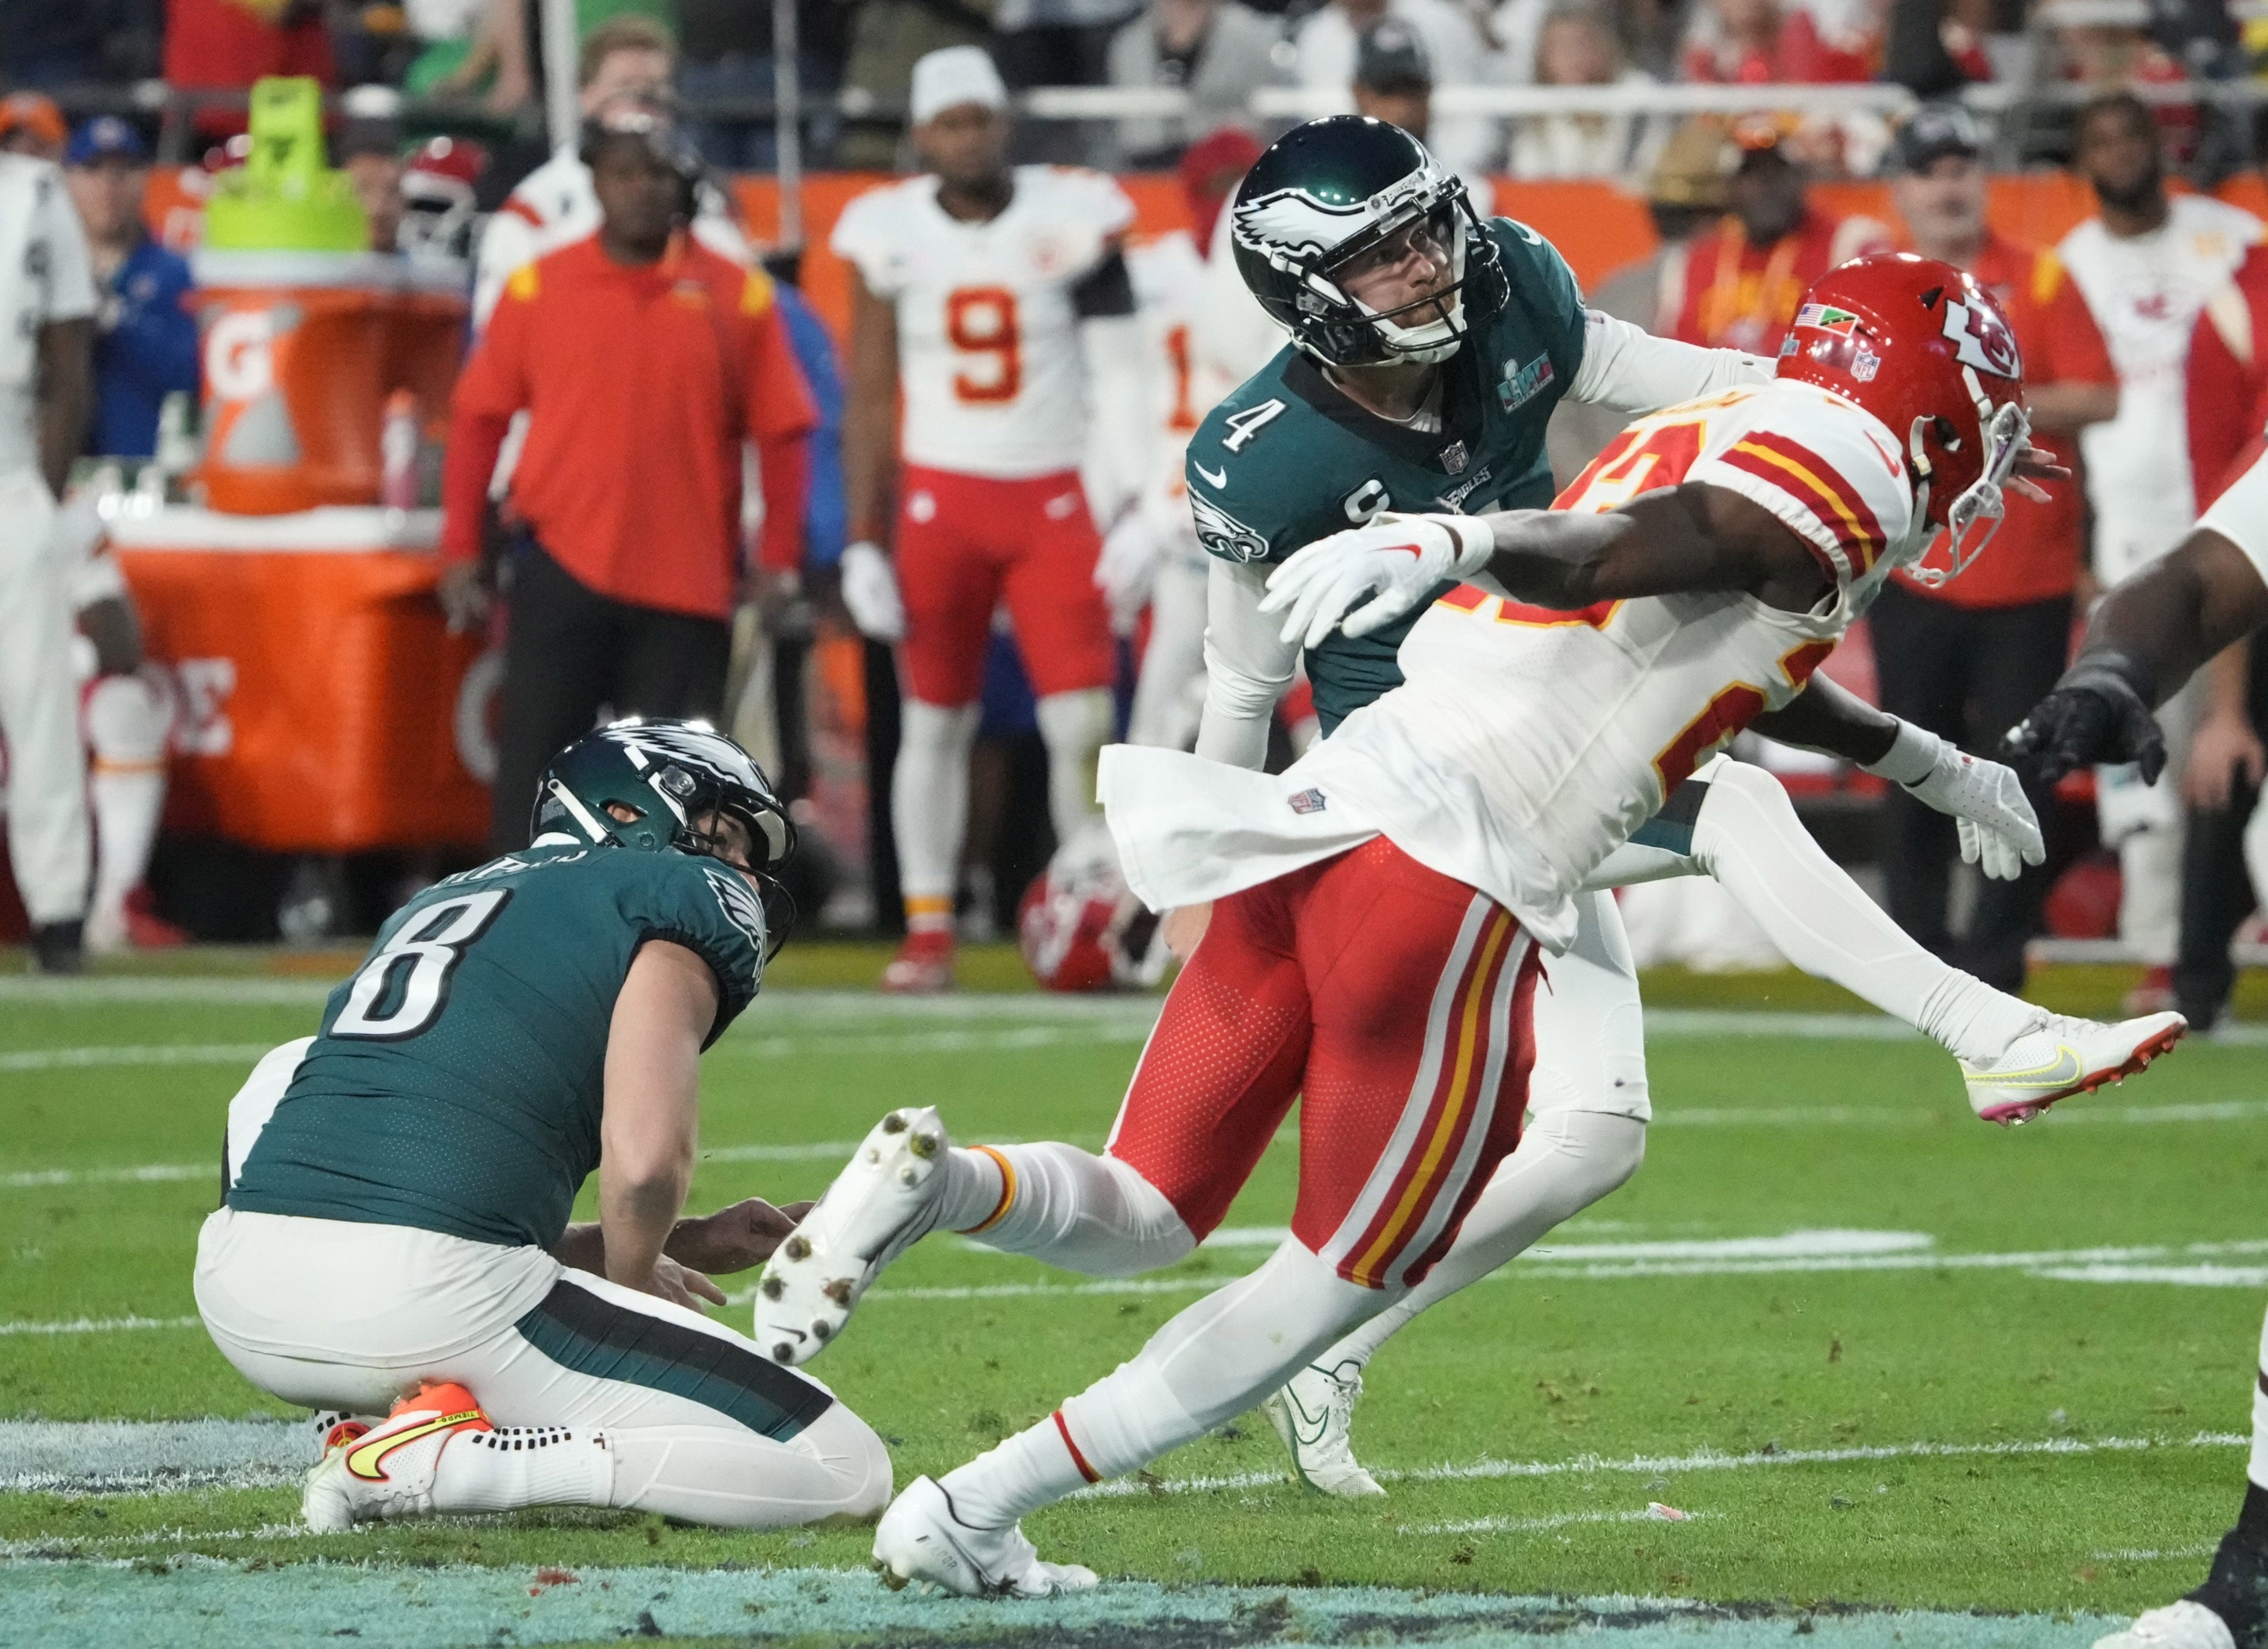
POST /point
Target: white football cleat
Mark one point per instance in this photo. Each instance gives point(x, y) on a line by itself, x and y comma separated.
point(920, 1538)
point(2060, 1056)
point(388, 1470)
point(1314, 1413)
point(885, 1200)
point(2184, 1625)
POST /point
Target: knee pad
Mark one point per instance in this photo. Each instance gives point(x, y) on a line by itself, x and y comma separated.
point(125, 720)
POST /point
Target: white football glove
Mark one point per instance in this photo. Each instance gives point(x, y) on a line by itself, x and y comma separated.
point(1999, 833)
point(1128, 567)
point(1395, 560)
point(870, 591)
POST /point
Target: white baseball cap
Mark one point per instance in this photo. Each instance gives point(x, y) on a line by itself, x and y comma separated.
point(957, 74)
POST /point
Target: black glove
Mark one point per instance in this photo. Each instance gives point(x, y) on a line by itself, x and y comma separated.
point(2094, 715)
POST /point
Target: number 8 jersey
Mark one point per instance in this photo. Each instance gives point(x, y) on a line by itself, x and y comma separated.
point(987, 318)
point(457, 1082)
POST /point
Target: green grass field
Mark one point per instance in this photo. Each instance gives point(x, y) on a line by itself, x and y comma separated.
point(1889, 1359)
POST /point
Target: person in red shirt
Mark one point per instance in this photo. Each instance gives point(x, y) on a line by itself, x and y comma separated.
point(1737, 286)
point(644, 362)
point(1967, 659)
point(1760, 42)
point(2221, 785)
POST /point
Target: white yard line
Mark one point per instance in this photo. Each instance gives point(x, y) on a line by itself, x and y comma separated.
point(1704, 1460)
point(246, 1053)
point(1556, 1520)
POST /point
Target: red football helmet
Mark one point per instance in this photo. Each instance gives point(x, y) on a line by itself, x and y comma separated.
point(1926, 349)
point(1080, 929)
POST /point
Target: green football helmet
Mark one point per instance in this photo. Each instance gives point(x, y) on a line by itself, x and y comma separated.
point(1327, 192)
point(670, 774)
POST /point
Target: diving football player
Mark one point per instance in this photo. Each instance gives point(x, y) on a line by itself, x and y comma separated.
point(1536, 729)
point(395, 1236)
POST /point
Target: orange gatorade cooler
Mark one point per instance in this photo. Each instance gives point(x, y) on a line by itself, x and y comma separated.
point(300, 351)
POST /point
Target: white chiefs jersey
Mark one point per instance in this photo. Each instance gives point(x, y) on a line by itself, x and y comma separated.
point(45, 277)
point(987, 329)
point(555, 205)
point(2145, 291)
point(1525, 744)
point(1170, 287)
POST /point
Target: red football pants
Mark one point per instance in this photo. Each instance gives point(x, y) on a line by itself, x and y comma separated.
point(1395, 1002)
point(966, 545)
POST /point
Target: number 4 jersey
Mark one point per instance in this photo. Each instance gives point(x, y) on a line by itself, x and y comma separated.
point(1525, 744)
point(457, 1081)
point(988, 317)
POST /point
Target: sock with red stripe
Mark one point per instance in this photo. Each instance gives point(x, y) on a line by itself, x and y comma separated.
point(1206, 1367)
point(1085, 1213)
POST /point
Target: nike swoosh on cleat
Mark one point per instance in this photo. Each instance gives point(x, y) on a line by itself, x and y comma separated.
point(363, 1460)
point(1291, 1406)
point(1220, 479)
point(2065, 1069)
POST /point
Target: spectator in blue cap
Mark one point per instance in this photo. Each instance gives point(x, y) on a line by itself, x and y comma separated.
point(145, 345)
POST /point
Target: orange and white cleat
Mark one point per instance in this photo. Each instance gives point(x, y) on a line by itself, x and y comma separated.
point(2060, 1056)
point(923, 965)
point(387, 1470)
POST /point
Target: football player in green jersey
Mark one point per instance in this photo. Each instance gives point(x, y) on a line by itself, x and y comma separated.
point(394, 1230)
point(1428, 349)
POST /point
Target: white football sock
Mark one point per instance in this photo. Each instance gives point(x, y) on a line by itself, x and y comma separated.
point(929, 807)
point(1748, 837)
point(710, 1474)
point(125, 722)
point(1084, 1213)
point(516, 1465)
point(1565, 1161)
point(1075, 727)
point(1206, 1365)
point(2259, 1473)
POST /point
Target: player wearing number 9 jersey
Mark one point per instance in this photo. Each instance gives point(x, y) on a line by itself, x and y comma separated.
point(394, 1228)
point(996, 299)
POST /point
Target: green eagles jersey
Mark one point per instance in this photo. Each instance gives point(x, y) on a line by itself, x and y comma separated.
point(1287, 459)
point(457, 1081)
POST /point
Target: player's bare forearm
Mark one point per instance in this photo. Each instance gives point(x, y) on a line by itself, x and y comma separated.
point(1668, 543)
point(2158, 627)
point(1825, 717)
point(65, 397)
point(870, 414)
point(647, 1127)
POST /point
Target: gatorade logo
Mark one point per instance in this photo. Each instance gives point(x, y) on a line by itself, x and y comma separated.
point(239, 354)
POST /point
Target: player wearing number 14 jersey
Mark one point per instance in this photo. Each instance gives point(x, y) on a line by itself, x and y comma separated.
point(997, 299)
point(395, 1226)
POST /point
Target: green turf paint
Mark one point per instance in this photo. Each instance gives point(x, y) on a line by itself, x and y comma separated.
point(195, 1604)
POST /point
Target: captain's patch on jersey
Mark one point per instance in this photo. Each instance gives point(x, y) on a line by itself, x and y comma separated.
point(1222, 535)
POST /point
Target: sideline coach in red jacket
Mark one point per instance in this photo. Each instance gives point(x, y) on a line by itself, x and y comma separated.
point(643, 360)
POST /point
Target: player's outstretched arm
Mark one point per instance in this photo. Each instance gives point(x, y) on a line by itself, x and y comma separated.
point(1687, 538)
point(869, 454)
point(2146, 637)
point(2000, 832)
point(647, 1125)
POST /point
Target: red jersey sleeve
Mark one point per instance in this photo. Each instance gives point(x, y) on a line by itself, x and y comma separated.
point(2075, 351)
point(778, 402)
point(492, 387)
point(2225, 377)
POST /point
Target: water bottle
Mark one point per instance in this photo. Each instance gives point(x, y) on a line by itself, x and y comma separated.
point(397, 453)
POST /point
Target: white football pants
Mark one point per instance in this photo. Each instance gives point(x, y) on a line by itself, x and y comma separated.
point(1170, 693)
point(49, 845)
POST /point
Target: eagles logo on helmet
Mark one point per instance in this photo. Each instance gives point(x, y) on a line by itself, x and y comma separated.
point(1327, 192)
point(1926, 348)
point(1080, 929)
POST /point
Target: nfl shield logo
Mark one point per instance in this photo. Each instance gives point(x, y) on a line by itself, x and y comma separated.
point(1453, 458)
point(1308, 802)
